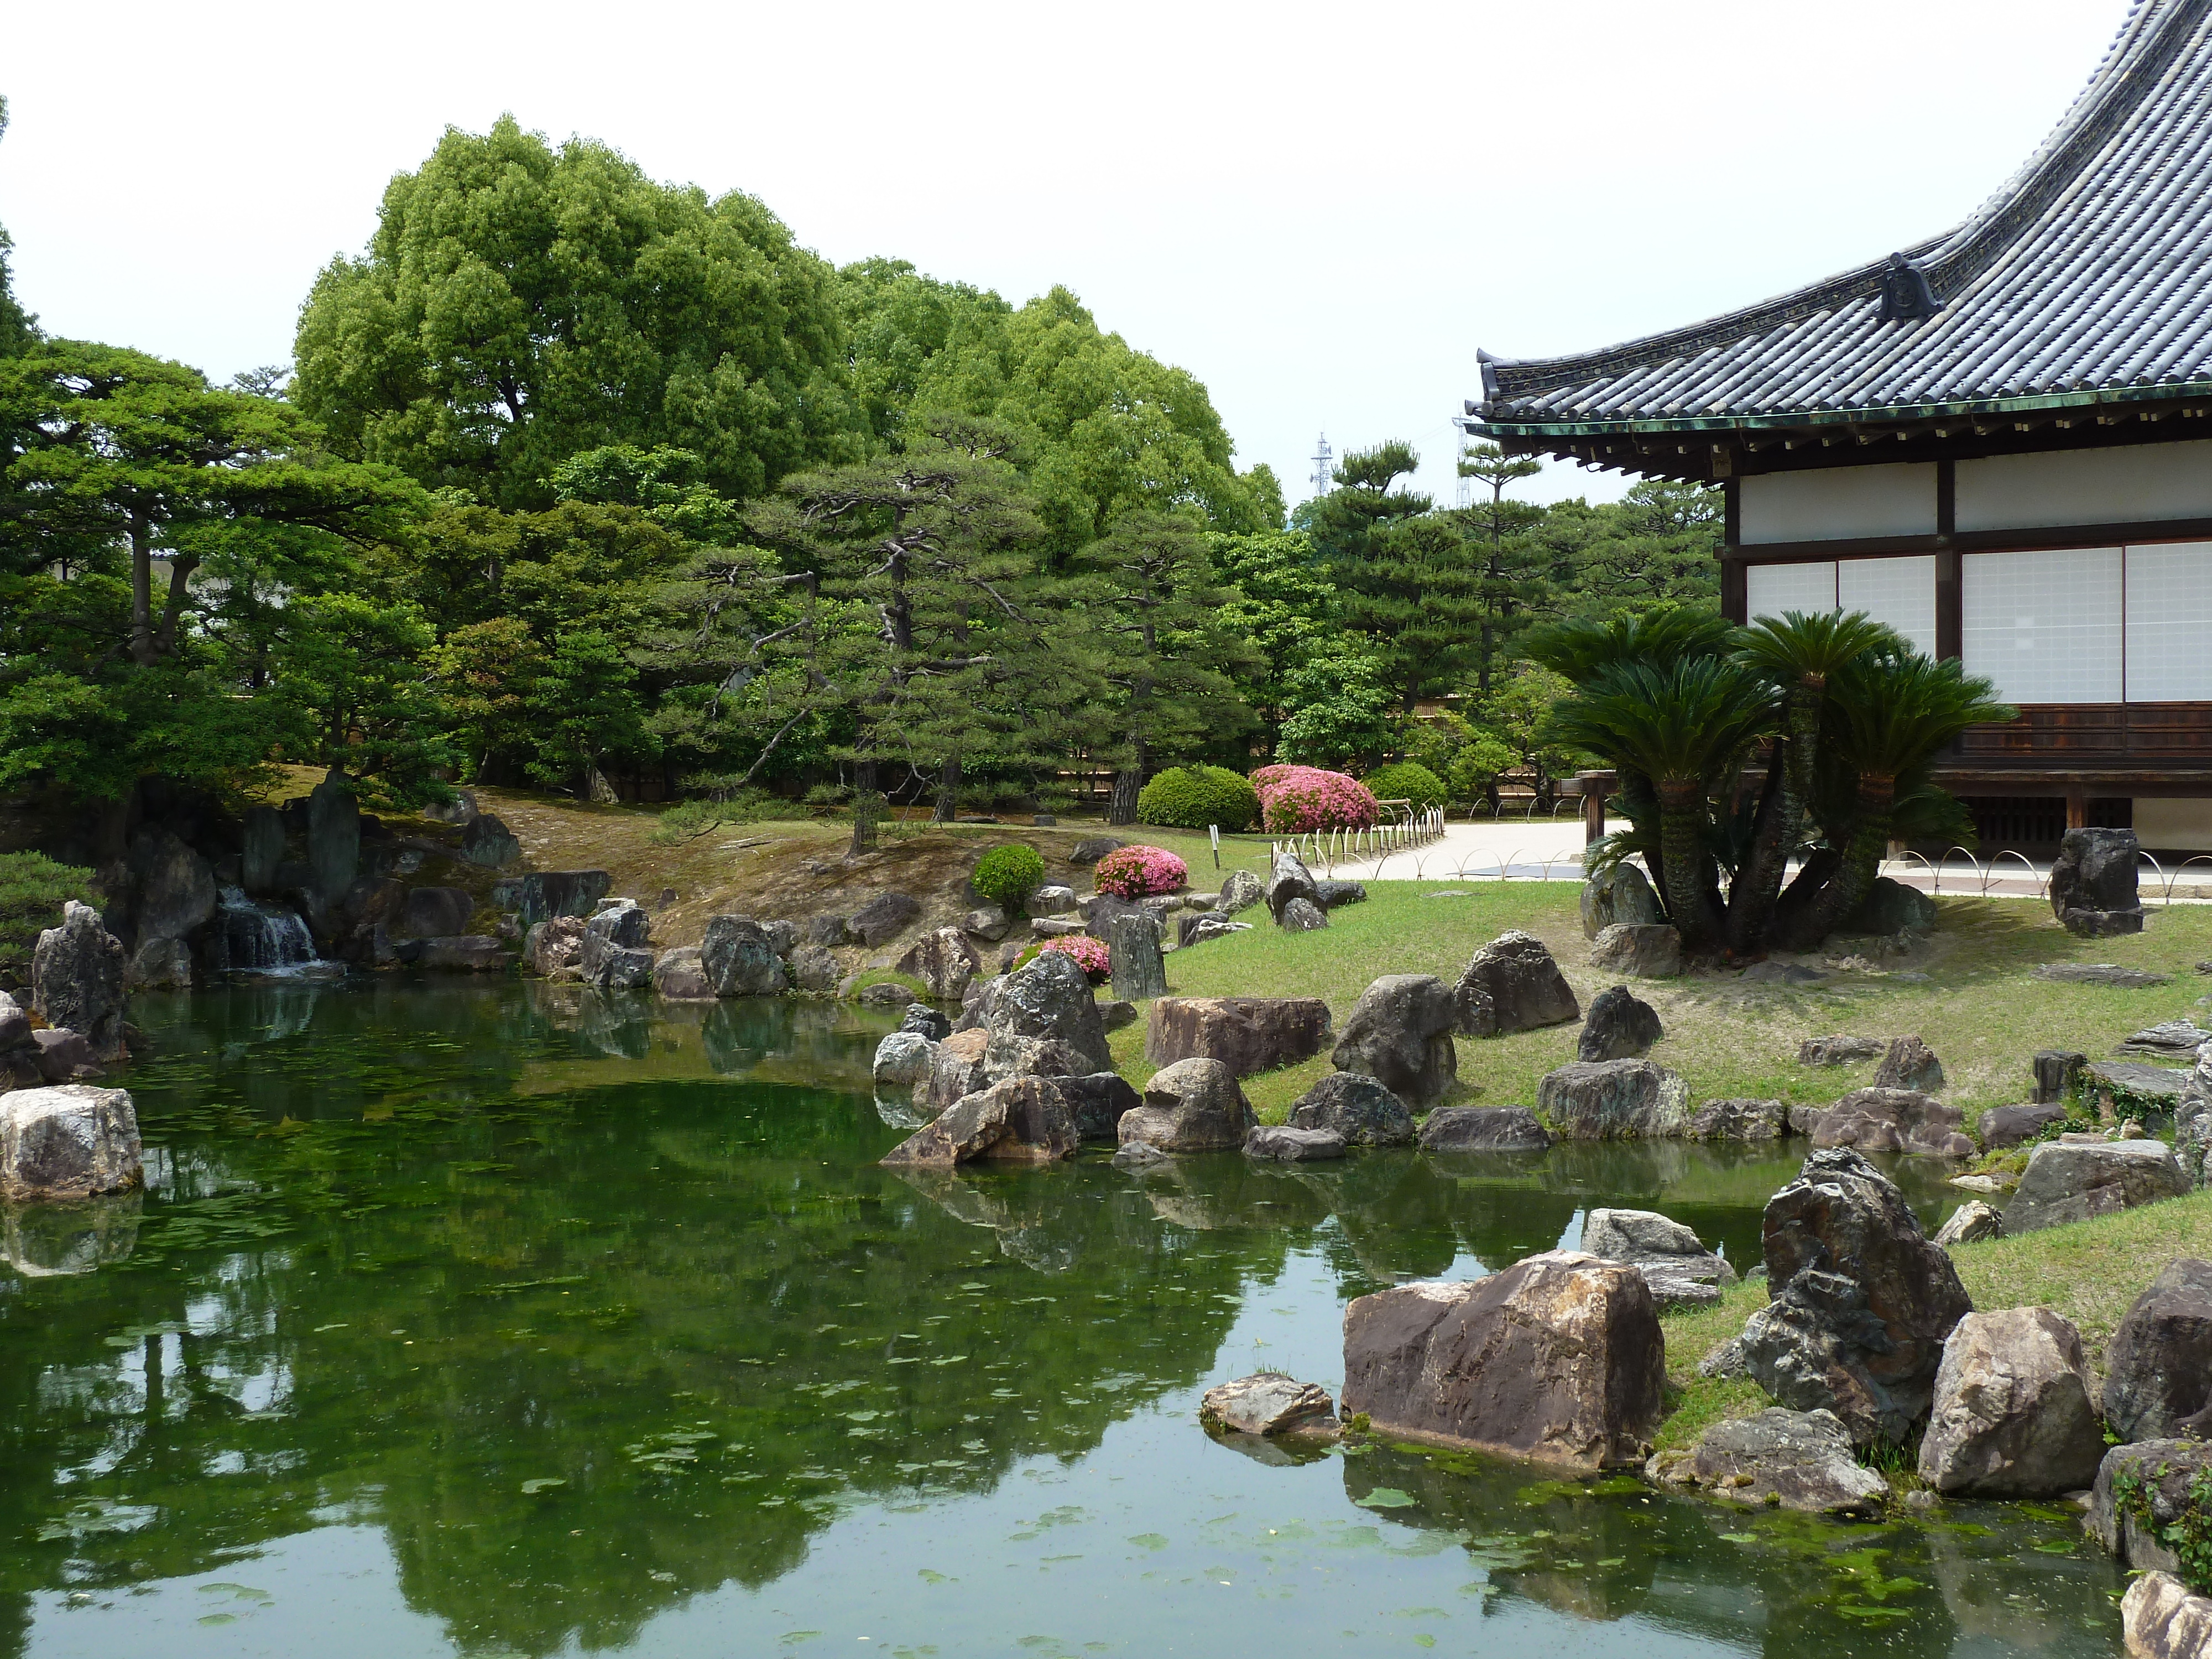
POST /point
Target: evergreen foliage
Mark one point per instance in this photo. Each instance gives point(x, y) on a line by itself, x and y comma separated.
point(1199, 796)
point(1008, 875)
point(1407, 780)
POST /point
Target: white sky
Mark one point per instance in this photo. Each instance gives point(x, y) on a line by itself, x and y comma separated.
point(1322, 212)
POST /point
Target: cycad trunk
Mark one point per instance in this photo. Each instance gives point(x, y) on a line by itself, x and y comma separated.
point(1829, 906)
point(1757, 884)
point(1682, 850)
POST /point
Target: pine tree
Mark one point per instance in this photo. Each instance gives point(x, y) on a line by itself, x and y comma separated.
point(1511, 588)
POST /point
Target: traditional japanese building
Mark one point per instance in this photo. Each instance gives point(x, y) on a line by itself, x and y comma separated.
point(1998, 440)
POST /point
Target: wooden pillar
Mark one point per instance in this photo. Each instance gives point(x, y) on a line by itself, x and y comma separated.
point(2077, 808)
point(1593, 785)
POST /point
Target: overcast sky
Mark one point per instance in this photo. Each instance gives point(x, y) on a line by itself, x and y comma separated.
point(1322, 212)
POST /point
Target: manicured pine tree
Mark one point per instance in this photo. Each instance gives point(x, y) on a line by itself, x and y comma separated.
point(1511, 589)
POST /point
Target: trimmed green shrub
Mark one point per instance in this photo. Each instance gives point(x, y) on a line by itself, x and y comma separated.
point(33, 890)
point(1193, 797)
point(1407, 780)
point(1008, 875)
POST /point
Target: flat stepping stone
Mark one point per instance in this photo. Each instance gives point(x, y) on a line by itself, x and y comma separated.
point(2124, 1077)
point(2100, 973)
point(2173, 1039)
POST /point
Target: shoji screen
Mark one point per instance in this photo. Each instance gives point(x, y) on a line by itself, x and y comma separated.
point(2169, 623)
point(1899, 592)
point(1772, 589)
point(2045, 626)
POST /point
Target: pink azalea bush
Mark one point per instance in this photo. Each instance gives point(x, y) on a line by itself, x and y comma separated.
point(1134, 872)
point(1295, 799)
point(1090, 954)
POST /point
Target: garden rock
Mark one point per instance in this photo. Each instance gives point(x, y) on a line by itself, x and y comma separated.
point(882, 919)
point(987, 922)
point(1802, 1461)
point(1284, 1144)
point(1910, 1064)
point(2132, 1076)
point(1620, 896)
point(1621, 1026)
point(1099, 1102)
point(64, 1056)
point(1240, 890)
point(1890, 908)
point(1192, 1106)
point(1355, 1108)
point(1057, 926)
point(2156, 1476)
point(1512, 984)
point(740, 959)
point(15, 1024)
point(1268, 1403)
point(887, 994)
point(1138, 971)
point(1739, 1120)
point(1401, 1034)
point(72, 1142)
point(1019, 1120)
point(2011, 1416)
point(1050, 1001)
point(1288, 879)
point(1114, 1014)
point(1302, 916)
point(2100, 973)
point(1862, 1301)
point(2072, 1182)
point(2162, 1618)
point(2056, 1074)
point(1650, 950)
point(2172, 1039)
point(1101, 910)
point(828, 931)
point(262, 849)
point(1198, 929)
point(440, 913)
point(2012, 1125)
point(1136, 1155)
point(1332, 894)
point(1482, 1129)
point(333, 838)
point(481, 953)
point(1093, 848)
point(1615, 1100)
point(812, 970)
point(1839, 1050)
point(77, 979)
point(1970, 1223)
point(1244, 1034)
point(488, 843)
point(555, 948)
point(957, 1069)
point(943, 961)
point(1680, 1271)
point(2158, 1370)
point(1893, 1121)
point(159, 964)
point(679, 976)
point(543, 894)
point(2092, 882)
point(1053, 899)
point(174, 889)
point(926, 1021)
point(1558, 1359)
point(903, 1060)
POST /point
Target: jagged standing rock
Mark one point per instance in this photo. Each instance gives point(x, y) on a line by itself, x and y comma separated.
point(1910, 1064)
point(943, 961)
point(1512, 984)
point(1240, 890)
point(1615, 1100)
point(1138, 971)
point(1648, 952)
point(602, 963)
point(555, 948)
point(1048, 1002)
point(67, 1142)
point(812, 970)
point(926, 1021)
point(1401, 1034)
point(740, 959)
point(957, 1069)
point(903, 1060)
point(1801, 1461)
point(1288, 879)
point(76, 979)
point(1192, 1106)
point(333, 838)
point(1621, 1026)
point(621, 922)
point(2158, 1370)
point(2057, 1072)
point(2011, 1416)
point(488, 843)
point(173, 887)
point(2092, 882)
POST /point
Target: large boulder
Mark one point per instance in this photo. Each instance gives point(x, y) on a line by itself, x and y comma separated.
point(926, 1021)
point(2162, 1618)
point(1401, 1034)
point(1802, 1461)
point(1680, 1271)
point(1893, 1121)
point(2011, 1416)
point(1619, 896)
point(1482, 1129)
point(262, 851)
point(64, 1056)
point(489, 844)
point(1288, 879)
point(1240, 890)
point(436, 913)
point(175, 890)
point(1891, 907)
point(740, 960)
point(882, 919)
point(1099, 1103)
point(554, 949)
point(543, 894)
point(987, 922)
point(1092, 848)
point(66, 1143)
point(2075, 1177)
point(1615, 1100)
point(77, 979)
point(1273, 1143)
point(2012, 1125)
point(1512, 985)
point(1019, 1120)
point(2057, 1074)
point(1622, 1026)
point(1357, 1108)
point(15, 1024)
point(333, 838)
point(1192, 1106)
point(1245, 1034)
point(903, 1060)
point(2142, 1489)
point(943, 961)
point(813, 970)
point(1043, 1019)
point(1559, 1358)
point(1139, 971)
point(955, 1069)
point(1332, 895)
point(2092, 882)
point(622, 921)
point(1910, 1064)
point(602, 965)
point(2158, 1370)
point(1862, 1301)
point(1642, 951)
point(159, 964)
point(1739, 1120)
point(1268, 1403)
point(680, 975)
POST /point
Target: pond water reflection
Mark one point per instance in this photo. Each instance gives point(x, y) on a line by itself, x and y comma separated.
point(501, 1319)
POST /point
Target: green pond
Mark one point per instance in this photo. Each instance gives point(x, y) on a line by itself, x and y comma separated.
point(501, 1320)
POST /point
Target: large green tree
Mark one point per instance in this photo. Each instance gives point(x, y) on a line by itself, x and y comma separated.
point(18, 328)
point(519, 303)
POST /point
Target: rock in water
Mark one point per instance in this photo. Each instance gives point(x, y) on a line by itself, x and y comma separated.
point(2142, 1490)
point(1910, 1064)
point(812, 970)
point(1192, 1106)
point(1356, 1108)
point(555, 946)
point(1245, 1034)
point(1139, 972)
point(1839, 1050)
point(1646, 952)
point(602, 963)
point(1482, 1129)
point(1970, 1223)
point(1020, 1120)
point(678, 976)
point(1861, 1305)
point(1050, 1002)
point(1268, 1403)
point(64, 1056)
point(1288, 879)
point(943, 961)
point(926, 1021)
point(956, 1071)
point(1619, 896)
point(1622, 1026)
point(1559, 1358)
point(1802, 1461)
point(1281, 1144)
point(740, 959)
point(1400, 1035)
point(903, 1060)
point(159, 964)
point(1241, 890)
point(1615, 1100)
point(2158, 1378)
point(2162, 1618)
point(2011, 1125)
point(2092, 882)
point(66, 1143)
point(883, 918)
point(1680, 1271)
point(1099, 1103)
point(1302, 916)
point(76, 979)
point(2011, 1416)
point(1739, 1120)
point(1512, 985)
point(2071, 1182)
point(1893, 1121)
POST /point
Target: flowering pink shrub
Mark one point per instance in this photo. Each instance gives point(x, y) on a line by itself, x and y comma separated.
point(1090, 954)
point(1134, 872)
point(1295, 799)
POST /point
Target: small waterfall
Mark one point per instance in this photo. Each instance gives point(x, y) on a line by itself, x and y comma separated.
point(251, 937)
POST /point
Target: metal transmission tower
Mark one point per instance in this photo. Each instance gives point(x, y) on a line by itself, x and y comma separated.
point(1323, 456)
point(1463, 496)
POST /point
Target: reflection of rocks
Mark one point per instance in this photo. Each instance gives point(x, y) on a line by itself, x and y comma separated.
point(1793, 1460)
point(47, 1240)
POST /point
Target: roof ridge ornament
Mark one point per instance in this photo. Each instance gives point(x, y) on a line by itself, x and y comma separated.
point(1906, 295)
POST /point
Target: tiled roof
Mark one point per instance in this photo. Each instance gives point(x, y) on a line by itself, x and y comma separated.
point(2089, 272)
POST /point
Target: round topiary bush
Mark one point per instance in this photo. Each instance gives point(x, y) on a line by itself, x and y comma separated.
point(1007, 875)
point(1295, 799)
point(1407, 780)
point(1195, 797)
point(1133, 873)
